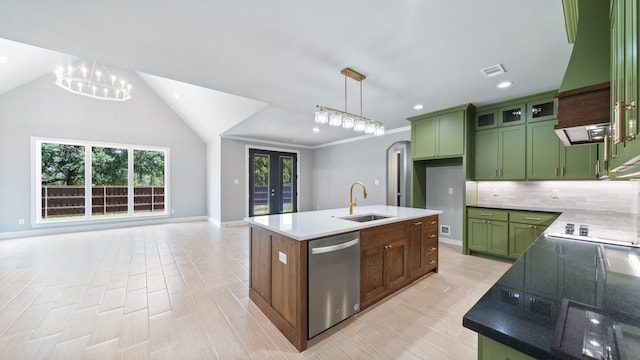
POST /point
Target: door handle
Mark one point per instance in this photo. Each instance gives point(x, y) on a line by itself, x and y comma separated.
point(332, 248)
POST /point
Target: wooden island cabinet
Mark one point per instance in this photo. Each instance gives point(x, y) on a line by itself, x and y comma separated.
point(392, 255)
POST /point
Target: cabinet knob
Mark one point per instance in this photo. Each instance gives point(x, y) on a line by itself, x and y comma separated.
point(432, 249)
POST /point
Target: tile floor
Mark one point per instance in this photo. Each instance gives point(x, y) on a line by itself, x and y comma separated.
point(180, 291)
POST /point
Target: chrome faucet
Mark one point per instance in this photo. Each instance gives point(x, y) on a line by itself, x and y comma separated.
point(353, 202)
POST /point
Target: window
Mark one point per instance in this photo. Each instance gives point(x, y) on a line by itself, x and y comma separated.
point(76, 180)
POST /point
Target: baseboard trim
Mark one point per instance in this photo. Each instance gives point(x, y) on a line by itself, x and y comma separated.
point(95, 227)
point(234, 223)
point(450, 241)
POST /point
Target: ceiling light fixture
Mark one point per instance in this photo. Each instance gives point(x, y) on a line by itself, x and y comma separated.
point(504, 84)
point(418, 107)
point(91, 78)
point(345, 119)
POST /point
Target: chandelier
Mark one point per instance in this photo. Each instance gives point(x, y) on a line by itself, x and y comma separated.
point(334, 117)
point(91, 78)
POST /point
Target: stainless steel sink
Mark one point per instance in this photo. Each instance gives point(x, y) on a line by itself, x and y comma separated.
point(366, 217)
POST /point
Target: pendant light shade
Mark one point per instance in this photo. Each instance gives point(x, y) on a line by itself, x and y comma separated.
point(345, 119)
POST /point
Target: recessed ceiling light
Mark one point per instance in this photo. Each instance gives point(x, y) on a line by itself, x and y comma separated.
point(504, 84)
point(315, 129)
point(418, 107)
point(176, 95)
point(3, 59)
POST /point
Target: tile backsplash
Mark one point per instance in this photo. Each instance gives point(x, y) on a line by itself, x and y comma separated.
point(613, 196)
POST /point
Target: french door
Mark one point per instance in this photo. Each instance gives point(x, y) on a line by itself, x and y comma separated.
point(272, 182)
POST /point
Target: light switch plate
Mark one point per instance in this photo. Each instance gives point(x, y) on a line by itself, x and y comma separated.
point(282, 257)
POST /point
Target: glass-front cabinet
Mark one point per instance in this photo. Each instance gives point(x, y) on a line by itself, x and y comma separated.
point(541, 109)
point(512, 115)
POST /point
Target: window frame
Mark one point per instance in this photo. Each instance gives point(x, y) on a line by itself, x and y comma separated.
point(36, 182)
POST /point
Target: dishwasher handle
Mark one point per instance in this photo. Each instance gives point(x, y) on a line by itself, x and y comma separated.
point(332, 248)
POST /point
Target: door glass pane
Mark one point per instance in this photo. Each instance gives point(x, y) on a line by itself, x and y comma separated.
point(62, 181)
point(148, 181)
point(286, 179)
point(511, 115)
point(261, 198)
point(540, 110)
point(109, 176)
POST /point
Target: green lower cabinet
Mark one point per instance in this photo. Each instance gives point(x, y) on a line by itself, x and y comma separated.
point(488, 236)
point(504, 233)
point(521, 236)
point(492, 350)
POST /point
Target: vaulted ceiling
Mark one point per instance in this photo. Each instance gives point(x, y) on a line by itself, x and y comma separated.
point(268, 63)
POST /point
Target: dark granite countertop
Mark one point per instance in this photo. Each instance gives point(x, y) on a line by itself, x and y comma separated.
point(540, 304)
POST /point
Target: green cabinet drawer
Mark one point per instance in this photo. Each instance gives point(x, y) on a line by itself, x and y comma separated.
point(488, 214)
point(533, 218)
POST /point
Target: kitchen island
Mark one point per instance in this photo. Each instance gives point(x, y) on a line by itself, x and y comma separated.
point(566, 298)
point(398, 246)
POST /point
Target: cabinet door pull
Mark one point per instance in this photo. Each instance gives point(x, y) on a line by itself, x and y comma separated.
point(432, 262)
point(431, 236)
point(530, 226)
point(532, 218)
point(563, 171)
point(433, 222)
point(495, 173)
point(432, 249)
point(417, 223)
point(617, 122)
point(488, 222)
point(486, 214)
point(555, 172)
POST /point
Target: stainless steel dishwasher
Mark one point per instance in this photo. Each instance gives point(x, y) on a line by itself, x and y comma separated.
point(333, 280)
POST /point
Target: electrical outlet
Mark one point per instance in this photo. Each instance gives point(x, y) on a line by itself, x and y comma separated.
point(173, 211)
point(555, 194)
point(376, 182)
point(450, 191)
point(20, 221)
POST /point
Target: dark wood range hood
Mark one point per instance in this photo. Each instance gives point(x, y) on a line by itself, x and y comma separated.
point(584, 99)
point(583, 114)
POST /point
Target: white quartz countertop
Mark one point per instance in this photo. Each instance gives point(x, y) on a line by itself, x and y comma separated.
point(310, 225)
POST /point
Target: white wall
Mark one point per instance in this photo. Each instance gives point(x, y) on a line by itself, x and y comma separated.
point(336, 167)
point(42, 109)
point(234, 166)
point(439, 180)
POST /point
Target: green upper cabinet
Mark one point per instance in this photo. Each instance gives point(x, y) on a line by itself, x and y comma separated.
point(439, 135)
point(624, 143)
point(500, 153)
point(549, 159)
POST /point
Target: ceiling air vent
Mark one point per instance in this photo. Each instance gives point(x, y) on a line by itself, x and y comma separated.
point(493, 70)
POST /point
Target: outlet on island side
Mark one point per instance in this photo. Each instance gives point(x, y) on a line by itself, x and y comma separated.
point(555, 194)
